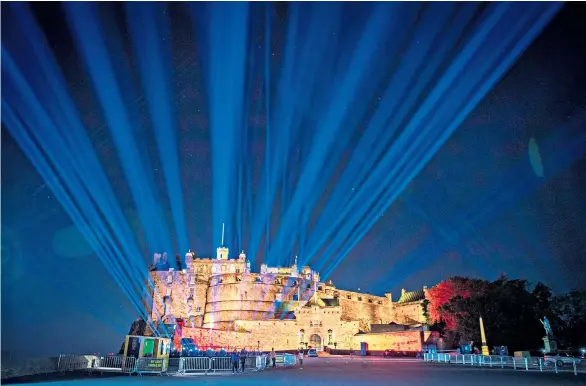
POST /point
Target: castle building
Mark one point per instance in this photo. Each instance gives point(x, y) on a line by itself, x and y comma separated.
point(221, 303)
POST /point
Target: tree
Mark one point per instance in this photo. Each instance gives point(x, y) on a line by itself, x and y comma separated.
point(569, 318)
point(510, 311)
point(446, 290)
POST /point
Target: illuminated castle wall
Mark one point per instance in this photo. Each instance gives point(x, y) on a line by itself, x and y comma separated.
point(290, 305)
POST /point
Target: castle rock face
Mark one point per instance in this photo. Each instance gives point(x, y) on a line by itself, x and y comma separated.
point(280, 307)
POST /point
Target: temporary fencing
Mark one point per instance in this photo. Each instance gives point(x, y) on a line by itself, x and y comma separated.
point(515, 363)
point(141, 366)
point(72, 362)
point(194, 365)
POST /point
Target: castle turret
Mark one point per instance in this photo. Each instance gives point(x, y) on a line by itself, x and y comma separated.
point(242, 256)
point(222, 253)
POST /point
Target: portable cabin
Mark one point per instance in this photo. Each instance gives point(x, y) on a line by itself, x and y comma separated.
point(147, 347)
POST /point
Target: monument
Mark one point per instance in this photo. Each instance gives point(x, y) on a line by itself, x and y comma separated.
point(549, 342)
point(483, 339)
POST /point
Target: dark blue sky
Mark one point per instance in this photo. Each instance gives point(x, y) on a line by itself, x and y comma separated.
point(476, 209)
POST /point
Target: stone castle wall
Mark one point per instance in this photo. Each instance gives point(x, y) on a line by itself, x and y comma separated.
point(400, 341)
point(280, 307)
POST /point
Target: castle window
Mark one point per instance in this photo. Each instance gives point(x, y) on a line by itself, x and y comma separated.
point(198, 309)
point(370, 300)
point(170, 279)
point(320, 288)
point(330, 332)
point(258, 280)
point(214, 269)
point(349, 297)
point(295, 298)
point(277, 281)
point(237, 270)
point(380, 302)
point(238, 279)
point(192, 280)
point(220, 281)
point(359, 298)
point(191, 291)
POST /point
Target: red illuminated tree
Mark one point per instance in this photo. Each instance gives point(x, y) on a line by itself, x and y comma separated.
point(441, 294)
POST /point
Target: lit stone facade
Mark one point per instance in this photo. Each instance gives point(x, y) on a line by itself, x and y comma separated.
point(224, 304)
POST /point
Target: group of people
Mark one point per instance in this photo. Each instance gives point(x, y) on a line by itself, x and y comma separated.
point(239, 359)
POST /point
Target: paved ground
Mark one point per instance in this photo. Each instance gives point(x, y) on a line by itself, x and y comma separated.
point(338, 371)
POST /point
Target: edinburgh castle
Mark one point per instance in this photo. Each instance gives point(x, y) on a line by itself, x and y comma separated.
point(221, 303)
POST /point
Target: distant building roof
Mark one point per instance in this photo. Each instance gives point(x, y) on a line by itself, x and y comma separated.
point(412, 296)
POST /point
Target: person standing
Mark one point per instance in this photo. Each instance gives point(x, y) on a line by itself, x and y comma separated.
point(273, 357)
point(243, 355)
point(300, 356)
point(234, 358)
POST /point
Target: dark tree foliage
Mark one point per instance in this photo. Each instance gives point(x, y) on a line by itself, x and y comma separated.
point(510, 310)
point(569, 318)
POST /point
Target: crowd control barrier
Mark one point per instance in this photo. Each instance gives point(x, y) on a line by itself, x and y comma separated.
point(514, 363)
point(194, 365)
point(73, 362)
point(141, 366)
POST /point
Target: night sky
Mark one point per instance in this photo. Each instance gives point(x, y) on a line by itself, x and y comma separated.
point(478, 208)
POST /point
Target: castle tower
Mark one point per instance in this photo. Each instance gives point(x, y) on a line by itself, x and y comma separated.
point(222, 253)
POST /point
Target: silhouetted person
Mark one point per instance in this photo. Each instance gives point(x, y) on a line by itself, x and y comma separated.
point(234, 358)
point(273, 357)
point(243, 355)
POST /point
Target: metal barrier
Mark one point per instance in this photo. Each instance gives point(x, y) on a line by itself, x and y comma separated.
point(69, 362)
point(261, 362)
point(219, 364)
point(515, 363)
point(194, 365)
point(130, 365)
point(151, 366)
point(109, 363)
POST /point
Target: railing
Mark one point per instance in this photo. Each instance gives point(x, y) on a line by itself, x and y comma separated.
point(194, 365)
point(516, 363)
point(140, 366)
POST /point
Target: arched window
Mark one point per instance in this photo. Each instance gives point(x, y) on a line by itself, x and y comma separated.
point(330, 332)
point(301, 335)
